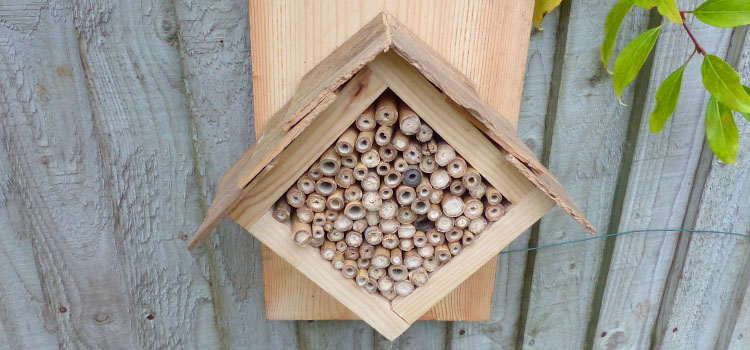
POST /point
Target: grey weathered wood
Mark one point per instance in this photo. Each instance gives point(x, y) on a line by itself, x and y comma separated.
point(335, 335)
point(500, 330)
point(214, 43)
point(421, 335)
point(659, 185)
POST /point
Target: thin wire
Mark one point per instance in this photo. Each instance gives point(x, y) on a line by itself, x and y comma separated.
point(621, 234)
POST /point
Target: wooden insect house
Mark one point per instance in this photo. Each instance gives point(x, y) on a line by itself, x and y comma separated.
point(386, 180)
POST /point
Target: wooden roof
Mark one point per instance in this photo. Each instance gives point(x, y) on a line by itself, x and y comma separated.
point(317, 90)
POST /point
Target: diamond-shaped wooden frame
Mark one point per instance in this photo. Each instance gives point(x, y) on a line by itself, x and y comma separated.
point(383, 55)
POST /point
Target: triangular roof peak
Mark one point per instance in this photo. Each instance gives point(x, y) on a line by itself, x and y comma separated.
point(318, 89)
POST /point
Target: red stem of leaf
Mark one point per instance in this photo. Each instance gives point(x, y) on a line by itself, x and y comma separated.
point(698, 47)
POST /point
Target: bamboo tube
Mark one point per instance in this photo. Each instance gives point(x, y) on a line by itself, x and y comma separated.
point(317, 231)
point(306, 184)
point(316, 202)
point(413, 153)
point(434, 212)
point(493, 196)
point(314, 172)
point(326, 186)
point(371, 182)
point(436, 196)
point(335, 236)
point(373, 235)
point(319, 219)
point(424, 189)
point(366, 120)
point(386, 110)
point(425, 149)
point(471, 178)
point(344, 178)
point(353, 193)
point(372, 201)
point(359, 225)
point(457, 167)
point(372, 218)
point(493, 212)
point(432, 146)
point(473, 208)
point(442, 253)
point(295, 198)
point(400, 165)
point(376, 273)
point(412, 177)
point(282, 210)
point(408, 121)
point(351, 253)
point(385, 192)
point(317, 242)
point(420, 239)
point(444, 223)
point(363, 263)
point(396, 256)
point(387, 153)
point(381, 259)
point(478, 192)
point(327, 250)
point(457, 187)
point(419, 276)
point(405, 195)
point(342, 223)
point(364, 141)
point(390, 241)
point(454, 234)
point(382, 168)
point(406, 231)
point(388, 210)
point(354, 210)
point(452, 206)
point(428, 165)
point(330, 162)
point(462, 222)
point(444, 154)
point(467, 238)
point(335, 201)
point(477, 225)
point(385, 284)
point(354, 239)
point(405, 244)
point(425, 133)
point(341, 246)
point(362, 277)
point(412, 259)
point(350, 269)
point(345, 143)
point(400, 141)
point(304, 214)
point(338, 260)
point(366, 250)
point(439, 179)
point(370, 158)
point(403, 288)
point(392, 179)
point(454, 247)
point(426, 251)
point(349, 161)
point(383, 135)
point(389, 294)
point(405, 215)
point(435, 238)
point(328, 226)
point(371, 286)
point(430, 264)
point(397, 272)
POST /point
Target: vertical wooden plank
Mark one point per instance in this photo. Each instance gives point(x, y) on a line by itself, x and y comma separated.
point(421, 335)
point(130, 57)
point(584, 155)
point(501, 329)
point(214, 43)
point(715, 273)
point(658, 189)
point(59, 198)
point(354, 335)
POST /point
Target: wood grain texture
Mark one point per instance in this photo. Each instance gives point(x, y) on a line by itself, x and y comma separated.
point(659, 186)
point(214, 44)
point(715, 271)
point(490, 24)
point(585, 155)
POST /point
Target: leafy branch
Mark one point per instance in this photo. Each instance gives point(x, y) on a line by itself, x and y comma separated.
point(719, 78)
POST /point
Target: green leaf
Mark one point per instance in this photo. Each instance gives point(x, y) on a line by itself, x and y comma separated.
point(721, 131)
point(647, 4)
point(666, 99)
point(612, 26)
point(669, 9)
point(724, 13)
point(746, 115)
point(632, 58)
point(723, 82)
point(541, 9)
